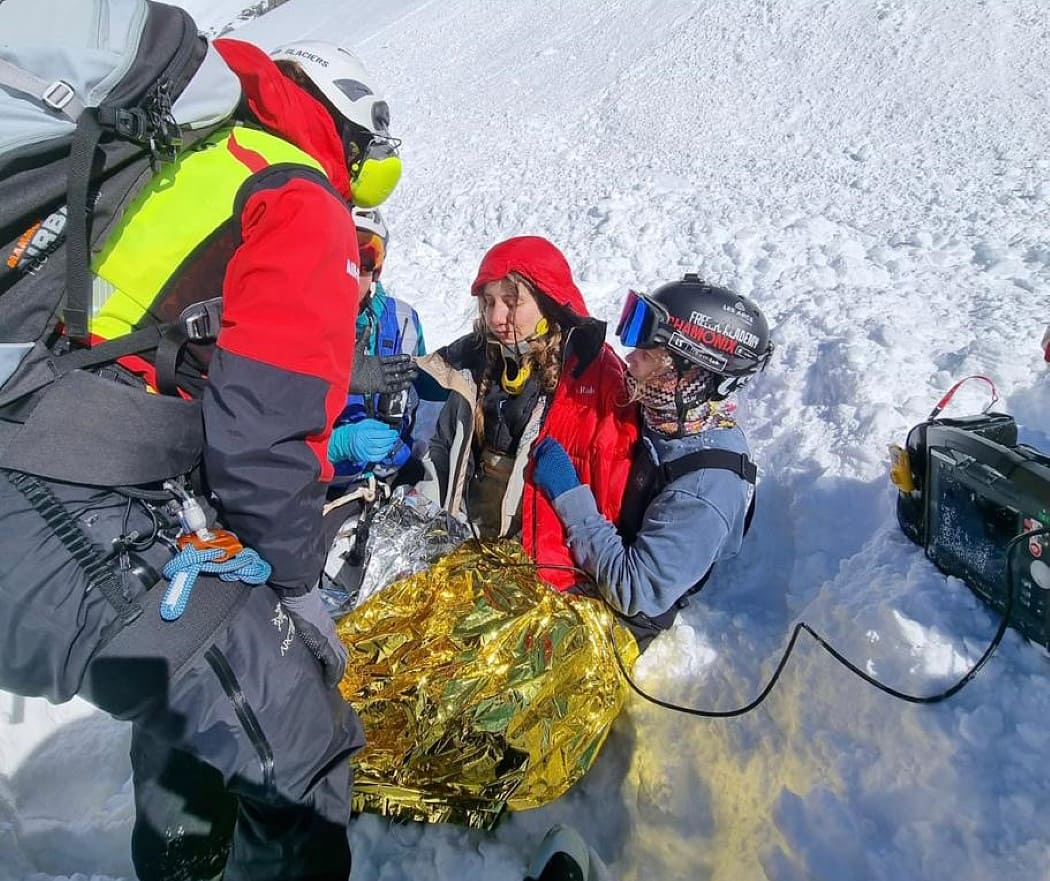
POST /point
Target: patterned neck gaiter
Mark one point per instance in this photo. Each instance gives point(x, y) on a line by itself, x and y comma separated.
point(657, 397)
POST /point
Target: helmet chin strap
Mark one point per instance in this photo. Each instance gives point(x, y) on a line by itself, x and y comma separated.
point(679, 401)
point(369, 296)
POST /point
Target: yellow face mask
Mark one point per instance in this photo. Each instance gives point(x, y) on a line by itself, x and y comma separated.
point(374, 179)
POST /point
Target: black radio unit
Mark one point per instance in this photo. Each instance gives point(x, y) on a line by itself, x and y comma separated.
point(966, 490)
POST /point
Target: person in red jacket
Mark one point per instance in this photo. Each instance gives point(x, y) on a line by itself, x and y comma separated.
point(275, 384)
point(536, 365)
point(240, 738)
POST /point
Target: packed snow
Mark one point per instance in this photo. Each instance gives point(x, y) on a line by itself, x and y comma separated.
point(877, 176)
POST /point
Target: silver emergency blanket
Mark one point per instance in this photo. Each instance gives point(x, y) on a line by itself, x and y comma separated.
point(407, 535)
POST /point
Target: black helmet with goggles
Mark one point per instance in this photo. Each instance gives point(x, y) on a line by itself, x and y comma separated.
point(701, 324)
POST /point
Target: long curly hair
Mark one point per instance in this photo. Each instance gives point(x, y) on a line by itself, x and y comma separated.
point(545, 355)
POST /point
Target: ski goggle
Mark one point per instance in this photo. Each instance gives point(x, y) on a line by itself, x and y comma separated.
point(371, 250)
point(643, 323)
point(376, 173)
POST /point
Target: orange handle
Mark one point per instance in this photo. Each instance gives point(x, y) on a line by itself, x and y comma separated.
point(219, 539)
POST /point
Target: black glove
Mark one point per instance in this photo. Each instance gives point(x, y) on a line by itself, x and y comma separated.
point(314, 626)
point(380, 374)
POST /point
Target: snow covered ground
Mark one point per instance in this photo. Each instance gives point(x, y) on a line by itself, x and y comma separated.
point(877, 175)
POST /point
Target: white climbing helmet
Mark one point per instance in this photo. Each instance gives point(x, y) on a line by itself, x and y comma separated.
point(371, 153)
point(341, 78)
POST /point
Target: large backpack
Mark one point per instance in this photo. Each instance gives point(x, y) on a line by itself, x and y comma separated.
point(95, 100)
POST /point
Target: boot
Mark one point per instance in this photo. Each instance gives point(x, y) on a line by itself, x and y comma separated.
point(564, 856)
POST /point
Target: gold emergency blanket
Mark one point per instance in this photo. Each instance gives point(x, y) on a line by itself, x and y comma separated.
point(479, 688)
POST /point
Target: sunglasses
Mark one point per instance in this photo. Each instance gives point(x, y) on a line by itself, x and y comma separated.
point(371, 251)
point(643, 323)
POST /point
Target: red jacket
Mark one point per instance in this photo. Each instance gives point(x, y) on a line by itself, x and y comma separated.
point(281, 368)
point(589, 414)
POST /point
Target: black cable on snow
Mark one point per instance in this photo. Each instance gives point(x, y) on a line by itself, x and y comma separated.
point(1013, 544)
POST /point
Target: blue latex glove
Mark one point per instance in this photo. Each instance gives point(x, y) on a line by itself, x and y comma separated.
point(366, 441)
point(553, 472)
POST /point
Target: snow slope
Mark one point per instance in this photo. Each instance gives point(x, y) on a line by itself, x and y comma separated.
point(877, 175)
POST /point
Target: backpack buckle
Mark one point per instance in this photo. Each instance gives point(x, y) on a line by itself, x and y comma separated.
point(131, 124)
point(202, 320)
point(58, 95)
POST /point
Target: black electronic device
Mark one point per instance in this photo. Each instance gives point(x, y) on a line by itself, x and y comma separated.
point(966, 490)
point(390, 407)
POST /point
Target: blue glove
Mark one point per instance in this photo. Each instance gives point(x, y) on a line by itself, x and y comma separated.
point(366, 441)
point(553, 472)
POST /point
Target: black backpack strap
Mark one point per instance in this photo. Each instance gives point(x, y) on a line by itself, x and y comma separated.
point(168, 358)
point(198, 323)
point(137, 109)
point(646, 627)
point(83, 155)
point(141, 340)
point(47, 371)
point(726, 460)
point(78, 253)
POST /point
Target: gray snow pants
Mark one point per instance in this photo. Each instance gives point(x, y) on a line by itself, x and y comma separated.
point(236, 740)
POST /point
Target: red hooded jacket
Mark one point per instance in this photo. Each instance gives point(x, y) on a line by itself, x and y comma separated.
point(279, 374)
point(589, 414)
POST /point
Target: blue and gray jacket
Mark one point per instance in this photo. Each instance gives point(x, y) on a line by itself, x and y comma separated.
point(692, 523)
point(393, 328)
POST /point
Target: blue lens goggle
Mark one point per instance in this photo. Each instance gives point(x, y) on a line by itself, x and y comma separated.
point(642, 323)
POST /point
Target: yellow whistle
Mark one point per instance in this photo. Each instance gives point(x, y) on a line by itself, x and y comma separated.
point(900, 469)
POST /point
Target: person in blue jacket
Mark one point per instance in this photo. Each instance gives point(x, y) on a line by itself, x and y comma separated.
point(374, 431)
point(692, 485)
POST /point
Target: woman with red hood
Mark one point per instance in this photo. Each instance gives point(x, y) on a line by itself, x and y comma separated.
point(536, 365)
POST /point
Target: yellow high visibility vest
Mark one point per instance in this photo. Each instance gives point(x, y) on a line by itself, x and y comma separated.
point(178, 212)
